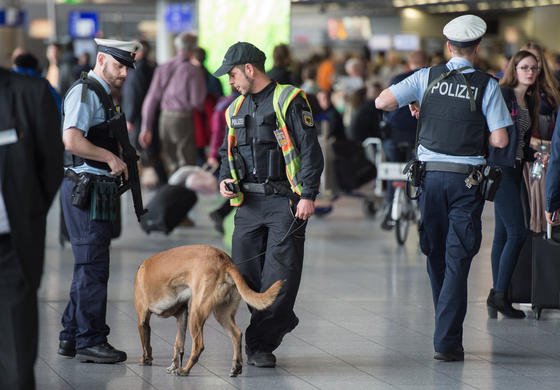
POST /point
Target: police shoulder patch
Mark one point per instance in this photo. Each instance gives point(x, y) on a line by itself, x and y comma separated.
point(307, 118)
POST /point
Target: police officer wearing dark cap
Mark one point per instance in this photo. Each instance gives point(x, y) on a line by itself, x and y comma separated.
point(461, 111)
point(271, 168)
point(93, 167)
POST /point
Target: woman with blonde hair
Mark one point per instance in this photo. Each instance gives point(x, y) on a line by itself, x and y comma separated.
point(541, 136)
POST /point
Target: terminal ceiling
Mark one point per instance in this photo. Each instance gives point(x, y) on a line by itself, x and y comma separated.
point(384, 7)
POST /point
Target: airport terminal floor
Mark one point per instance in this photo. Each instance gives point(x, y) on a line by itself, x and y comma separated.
point(365, 310)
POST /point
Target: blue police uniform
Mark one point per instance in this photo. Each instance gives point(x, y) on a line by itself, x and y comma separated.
point(83, 320)
point(450, 229)
point(553, 171)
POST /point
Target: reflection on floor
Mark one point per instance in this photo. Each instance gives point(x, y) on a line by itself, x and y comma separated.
point(365, 309)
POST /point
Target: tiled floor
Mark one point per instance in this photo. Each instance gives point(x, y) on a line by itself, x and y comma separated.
point(366, 319)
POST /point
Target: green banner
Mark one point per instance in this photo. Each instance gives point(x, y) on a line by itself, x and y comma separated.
point(264, 23)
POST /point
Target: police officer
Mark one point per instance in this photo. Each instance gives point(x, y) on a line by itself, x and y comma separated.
point(271, 168)
point(92, 167)
point(459, 106)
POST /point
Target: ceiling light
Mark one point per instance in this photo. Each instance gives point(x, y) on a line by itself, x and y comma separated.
point(411, 13)
point(483, 6)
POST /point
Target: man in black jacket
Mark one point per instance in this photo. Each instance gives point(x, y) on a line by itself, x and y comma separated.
point(30, 173)
point(271, 168)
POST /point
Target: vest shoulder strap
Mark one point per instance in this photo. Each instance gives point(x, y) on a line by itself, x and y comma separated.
point(89, 83)
point(283, 96)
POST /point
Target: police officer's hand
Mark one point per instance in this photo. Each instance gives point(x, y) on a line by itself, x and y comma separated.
point(145, 138)
point(414, 110)
point(224, 190)
point(118, 167)
point(305, 209)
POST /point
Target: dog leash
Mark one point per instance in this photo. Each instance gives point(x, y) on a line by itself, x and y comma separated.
point(288, 233)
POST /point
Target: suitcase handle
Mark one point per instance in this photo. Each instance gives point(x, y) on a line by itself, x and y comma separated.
point(549, 233)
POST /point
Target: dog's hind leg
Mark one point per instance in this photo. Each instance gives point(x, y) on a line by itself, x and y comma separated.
point(225, 315)
point(179, 346)
point(199, 311)
point(144, 331)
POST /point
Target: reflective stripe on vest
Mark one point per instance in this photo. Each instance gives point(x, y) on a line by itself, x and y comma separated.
point(283, 96)
point(232, 110)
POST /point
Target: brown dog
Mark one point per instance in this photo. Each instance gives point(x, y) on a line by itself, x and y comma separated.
point(189, 282)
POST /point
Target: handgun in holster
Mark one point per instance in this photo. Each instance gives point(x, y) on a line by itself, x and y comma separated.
point(415, 171)
point(82, 191)
point(490, 183)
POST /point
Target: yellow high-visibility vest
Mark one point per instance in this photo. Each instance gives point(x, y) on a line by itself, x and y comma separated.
point(283, 96)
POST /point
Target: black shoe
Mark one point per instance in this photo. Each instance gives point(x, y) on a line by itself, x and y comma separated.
point(497, 302)
point(218, 220)
point(102, 353)
point(261, 359)
point(452, 356)
point(67, 348)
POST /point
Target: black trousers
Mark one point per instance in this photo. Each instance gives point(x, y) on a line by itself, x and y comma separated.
point(18, 322)
point(261, 224)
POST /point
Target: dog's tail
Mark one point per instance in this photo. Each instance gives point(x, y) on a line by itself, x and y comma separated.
point(257, 300)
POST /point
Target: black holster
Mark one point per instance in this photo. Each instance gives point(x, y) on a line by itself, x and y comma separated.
point(239, 164)
point(82, 189)
point(415, 171)
point(490, 182)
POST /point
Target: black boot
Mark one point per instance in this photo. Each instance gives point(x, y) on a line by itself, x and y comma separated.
point(497, 302)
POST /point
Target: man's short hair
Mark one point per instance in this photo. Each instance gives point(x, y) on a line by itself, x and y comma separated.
point(186, 42)
point(463, 50)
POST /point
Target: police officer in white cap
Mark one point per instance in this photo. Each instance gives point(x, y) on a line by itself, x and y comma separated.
point(92, 160)
point(460, 111)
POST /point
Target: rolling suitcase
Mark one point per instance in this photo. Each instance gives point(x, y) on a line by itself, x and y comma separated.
point(169, 205)
point(545, 291)
point(519, 290)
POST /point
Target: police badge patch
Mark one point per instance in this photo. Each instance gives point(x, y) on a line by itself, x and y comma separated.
point(279, 134)
point(307, 118)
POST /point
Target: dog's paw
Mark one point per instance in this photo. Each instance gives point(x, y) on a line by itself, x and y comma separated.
point(182, 372)
point(236, 370)
point(172, 369)
point(146, 362)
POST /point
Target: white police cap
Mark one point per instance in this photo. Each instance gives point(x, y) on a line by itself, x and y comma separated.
point(122, 51)
point(465, 30)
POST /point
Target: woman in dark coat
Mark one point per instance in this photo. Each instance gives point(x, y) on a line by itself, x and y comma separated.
point(520, 90)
